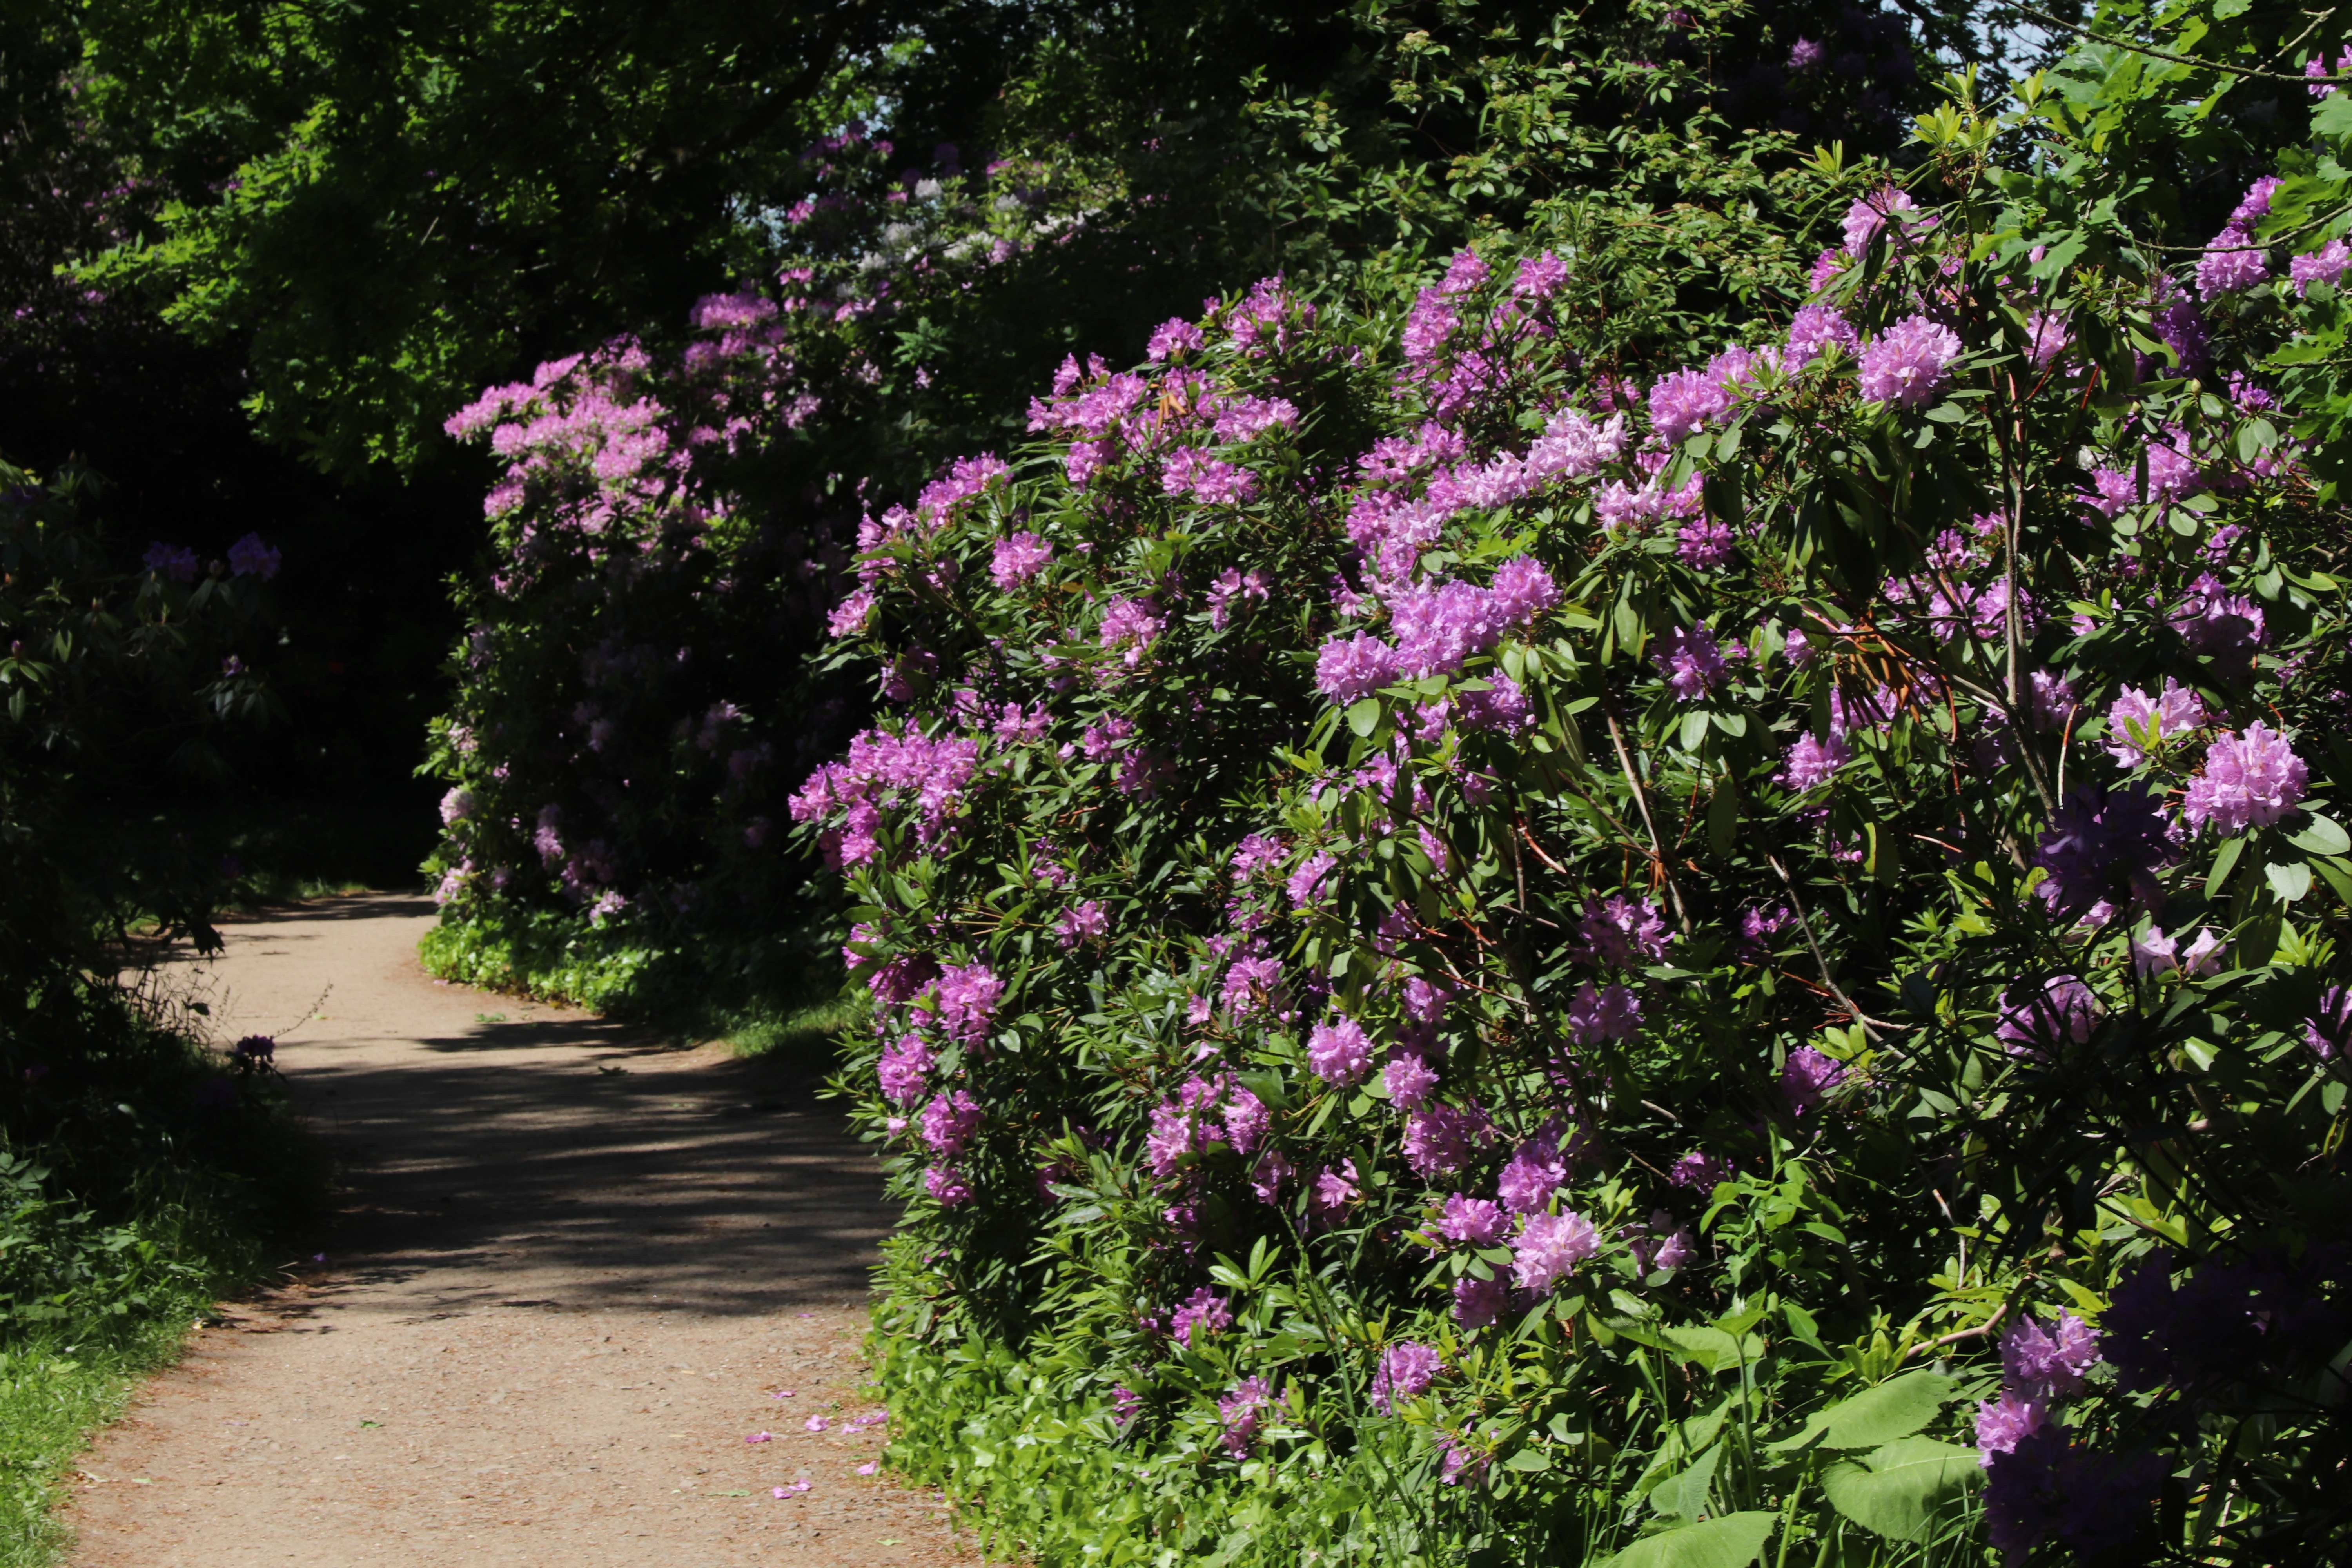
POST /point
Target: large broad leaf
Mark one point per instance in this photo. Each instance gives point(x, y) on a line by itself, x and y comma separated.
point(1686, 1495)
point(1732, 1541)
point(1896, 1491)
point(1895, 1408)
point(1713, 1349)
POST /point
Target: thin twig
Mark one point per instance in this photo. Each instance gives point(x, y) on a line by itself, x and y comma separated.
point(1804, 922)
point(1642, 800)
point(2152, 52)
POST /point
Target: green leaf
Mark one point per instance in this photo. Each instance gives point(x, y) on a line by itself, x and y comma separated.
point(1685, 1496)
point(1713, 1349)
point(2223, 864)
point(2324, 837)
point(2289, 882)
point(1694, 730)
point(1732, 1541)
point(1364, 715)
point(1896, 1491)
point(1876, 1416)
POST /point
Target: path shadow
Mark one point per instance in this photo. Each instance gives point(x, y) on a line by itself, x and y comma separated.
point(571, 1161)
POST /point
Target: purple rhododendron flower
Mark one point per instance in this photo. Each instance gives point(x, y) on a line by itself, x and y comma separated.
point(2047, 336)
point(1250, 985)
point(1698, 1170)
point(968, 995)
point(1311, 882)
point(2002, 1422)
point(1683, 401)
point(1173, 337)
point(2328, 1032)
point(901, 1070)
point(1406, 1371)
point(174, 563)
point(1241, 1412)
point(1352, 667)
point(2326, 264)
point(1503, 706)
point(2049, 1363)
point(1338, 1051)
point(1549, 1248)
point(1246, 1120)
point(1812, 763)
point(948, 1121)
point(1083, 922)
point(1017, 559)
point(1807, 1076)
point(1534, 1173)
point(2138, 725)
point(1602, 1013)
point(1522, 590)
point(2104, 846)
point(1813, 329)
point(947, 1187)
point(2252, 778)
point(249, 557)
point(1539, 276)
point(1703, 543)
point(1865, 217)
point(1438, 1140)
point(1270, 1175)
point(1909, 363)
point(1332, 1191)
point(2232, 263)
point(1478, 1302)
point(1691, 660)
point(1204, 1315)
point(1478, 1221)
point(2155, 954)
point(1408, 1080)
point(1805, 55)
point(2063, 1010)
point(1622, 931)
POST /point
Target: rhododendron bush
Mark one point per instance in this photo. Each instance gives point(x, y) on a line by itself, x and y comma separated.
point(671, 532)
point(1479, 948)
point(671, 529)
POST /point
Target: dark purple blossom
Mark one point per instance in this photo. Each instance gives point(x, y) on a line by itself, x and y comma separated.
point(2104, 846)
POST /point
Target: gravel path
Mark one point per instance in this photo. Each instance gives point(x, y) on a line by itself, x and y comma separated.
point(573, 1272)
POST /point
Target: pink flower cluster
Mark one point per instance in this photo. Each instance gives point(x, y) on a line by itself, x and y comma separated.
point(2251, 779)
point(1438, 630)
point(886, 771)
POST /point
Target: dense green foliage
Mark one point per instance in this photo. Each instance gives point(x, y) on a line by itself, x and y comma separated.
point(140, 1172)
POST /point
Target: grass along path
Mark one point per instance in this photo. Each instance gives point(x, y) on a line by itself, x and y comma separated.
point(574, 1271)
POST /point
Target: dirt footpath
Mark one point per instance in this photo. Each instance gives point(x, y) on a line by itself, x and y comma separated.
point(573, 1273)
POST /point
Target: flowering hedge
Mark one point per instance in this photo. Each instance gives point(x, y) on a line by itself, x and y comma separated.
point(1472, 950)
point(670, 527)
point(636, 694)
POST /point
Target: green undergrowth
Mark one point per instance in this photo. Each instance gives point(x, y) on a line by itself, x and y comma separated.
point(764, 994)
point(1044, 1479)
point(142, 1177)
point(54, 1393)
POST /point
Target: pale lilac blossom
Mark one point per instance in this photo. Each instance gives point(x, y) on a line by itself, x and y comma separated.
point(2138, 725)
point(1909, 363)
point(1407, 1369)
point(2251, 779)
point(1408, 1080)
point(1550, 1246)
point(1339, 1052)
